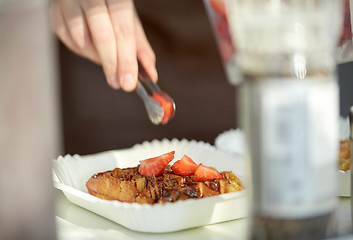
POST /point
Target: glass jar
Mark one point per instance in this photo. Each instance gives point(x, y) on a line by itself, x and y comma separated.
point(289, 101)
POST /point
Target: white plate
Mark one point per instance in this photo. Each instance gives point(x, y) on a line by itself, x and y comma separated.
point(70, 174)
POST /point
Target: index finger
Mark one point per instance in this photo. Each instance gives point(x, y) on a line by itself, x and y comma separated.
point(122, 16)
point(102, 32)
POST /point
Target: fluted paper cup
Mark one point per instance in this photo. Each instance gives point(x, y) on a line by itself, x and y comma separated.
point(70, 174)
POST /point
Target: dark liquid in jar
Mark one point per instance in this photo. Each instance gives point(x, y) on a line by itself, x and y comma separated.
point(266, 228)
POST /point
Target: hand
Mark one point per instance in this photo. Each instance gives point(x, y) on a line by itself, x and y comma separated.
point(108, 32)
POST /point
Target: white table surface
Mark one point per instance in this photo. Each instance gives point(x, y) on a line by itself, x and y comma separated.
point(76, 223)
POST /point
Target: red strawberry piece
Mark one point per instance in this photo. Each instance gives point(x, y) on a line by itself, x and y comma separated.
point(346, 30)
point(221, 26)
point(156, 165)
point(226, 48)
point(185, 166)
point(219, 7)
point(167, 105)
point(204, 173)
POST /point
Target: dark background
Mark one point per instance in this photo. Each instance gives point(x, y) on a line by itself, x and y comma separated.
point(97, 118)
point(345, 76)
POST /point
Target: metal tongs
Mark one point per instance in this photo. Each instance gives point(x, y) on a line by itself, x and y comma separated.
point(155, 111)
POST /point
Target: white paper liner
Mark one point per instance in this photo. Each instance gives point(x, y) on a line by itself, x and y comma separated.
point(344, 128)
point(70, 174)
point(232, 142)
point(344, 183)
point(344, 178)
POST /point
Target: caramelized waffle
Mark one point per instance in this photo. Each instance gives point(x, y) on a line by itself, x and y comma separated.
point(345, 155)
point(128, 185)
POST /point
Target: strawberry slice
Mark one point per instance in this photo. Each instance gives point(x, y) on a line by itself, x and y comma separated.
point(219, 7)
point(185, 166)
point(156, 165)
point(204, 173)
point(167, 105)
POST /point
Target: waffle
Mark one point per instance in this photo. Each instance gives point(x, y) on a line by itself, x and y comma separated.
point(127, 185)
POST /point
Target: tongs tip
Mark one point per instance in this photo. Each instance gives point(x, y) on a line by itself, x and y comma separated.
point(168, 105)
point(165, 110)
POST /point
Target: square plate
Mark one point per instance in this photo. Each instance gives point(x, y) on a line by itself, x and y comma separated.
point(70, 174)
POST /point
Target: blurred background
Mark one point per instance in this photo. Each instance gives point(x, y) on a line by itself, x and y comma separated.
point(53, 102)
point(96, 118)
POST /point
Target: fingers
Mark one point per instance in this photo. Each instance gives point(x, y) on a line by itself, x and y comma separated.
point(107, 32)
point(122, 17)
point(77, 27)
point(60, 28)
point(74, 19)
point(144, 51)
point(102, 33)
